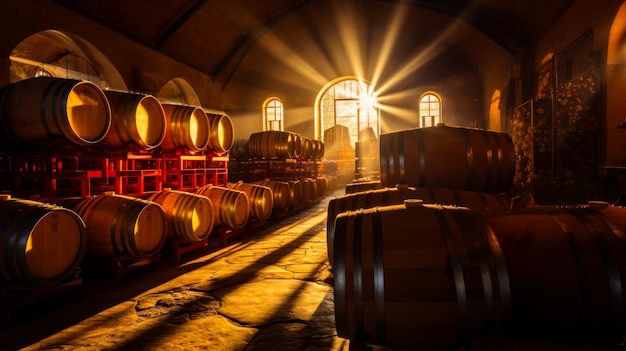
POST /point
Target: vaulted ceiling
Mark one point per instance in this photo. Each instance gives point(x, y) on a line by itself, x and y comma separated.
point(213, 36)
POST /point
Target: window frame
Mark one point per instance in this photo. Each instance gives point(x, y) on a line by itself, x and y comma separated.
point(435, 119)
point(275, 104)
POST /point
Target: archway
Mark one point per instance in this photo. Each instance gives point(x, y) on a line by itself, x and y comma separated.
point(615, 87)
point(351, 102)
point(63, 55)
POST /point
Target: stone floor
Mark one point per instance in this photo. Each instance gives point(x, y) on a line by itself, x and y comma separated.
point(268, 291)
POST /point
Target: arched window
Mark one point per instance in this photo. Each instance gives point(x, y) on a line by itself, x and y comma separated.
point(349, 102)
point(495, 122)
point(546, 76)
point(273, 114)
point(430, 110)
point(63, 55)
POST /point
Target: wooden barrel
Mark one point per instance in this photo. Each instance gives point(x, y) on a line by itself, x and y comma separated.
point(357, 187)
point(272, 144)
point(39, 243)
point(320, 149)
point(190, 216)
point(136, 119)
point(448, 157)
point(394, 196)
point(313, 191)
point(260, 198)
point(123, 225)
point(567, 267)
point(308, 152)
point(187, 128)
point(38, 110)
point(322, 186)
point(280, 191)
point(230, 207)
point(297, 145)
point(222, 133)
point(240, 150)
point(560, 272)
point(418, 276)
point(296, 193)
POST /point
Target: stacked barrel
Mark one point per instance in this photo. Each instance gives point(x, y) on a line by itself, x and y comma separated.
point(445, 258)
point(59, 135)
point(129, 173)
point(286, 163)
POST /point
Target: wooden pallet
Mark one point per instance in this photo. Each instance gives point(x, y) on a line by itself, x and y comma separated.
point(120, 265)
point(179, 246)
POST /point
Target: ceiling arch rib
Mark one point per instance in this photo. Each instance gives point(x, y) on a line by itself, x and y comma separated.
point(178, 21)
point(247, 40)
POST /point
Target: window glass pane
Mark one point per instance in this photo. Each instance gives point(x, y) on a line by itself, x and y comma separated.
point(273, 115)
point(349, 103)
point(429, 110)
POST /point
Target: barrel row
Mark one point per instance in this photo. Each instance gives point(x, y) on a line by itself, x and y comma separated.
point(277, 144)
point(430, 277)
point(42, 110)
point(44, 244)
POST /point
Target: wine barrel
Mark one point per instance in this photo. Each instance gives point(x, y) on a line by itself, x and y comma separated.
point(448, 157)
point(240, 150)
point(296, 193)
point(322, 186)
point(222, 133)
point(397, 195)
point(36, 111)
point(190, 216)
point(560, 273)
point(418, 276)
point(260, 198)
point(280, 191)
point(123, 225)
point(297, 145)
point(567, 267)
point(272, 144)
point(320, 149)
point(357, 187)
point(230, 207)
point(310, 189)
point(40, 244)
point(187, 128)
point(308, 152)
point(136, 119)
